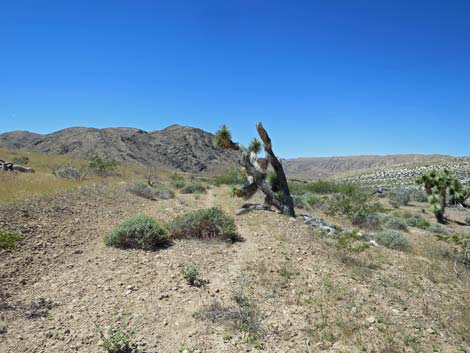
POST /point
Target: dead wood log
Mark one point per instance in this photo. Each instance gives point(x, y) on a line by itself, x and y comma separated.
point(257, 168)
point(8, 166)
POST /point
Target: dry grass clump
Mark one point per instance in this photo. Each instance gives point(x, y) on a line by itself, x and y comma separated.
point(15, 185)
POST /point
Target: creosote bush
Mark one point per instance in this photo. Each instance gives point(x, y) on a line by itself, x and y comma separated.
point(8, 239)
point(396, 224)
point(142, 190)
point(400, 197)
point(194, 188)
point(392, 239)
point(410, 219)
point(152, 193)
point(231, 177)
point(139, 232)
point(205, 224)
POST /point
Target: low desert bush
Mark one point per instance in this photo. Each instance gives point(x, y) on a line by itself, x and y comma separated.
point(143, 190)
point(392, 239)
point(357, 205)
point(102, 166)
point(21, 160)
point(8, 239)
point(68, 173)
point(231, 177)
point(396, 224)
point(410, 219)
point(310, 201)
point(193, 188)
point(364, 218)
point(400, 197)
point(322, 187)
point(178, 184)
point(152, 193)
point(438, 229)
point(205, 224)
point(418, 195)
point(164, 193)
point(139, 232)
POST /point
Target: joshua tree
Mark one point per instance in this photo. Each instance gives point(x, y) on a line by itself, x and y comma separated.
point(437, 184)
point(257, 170)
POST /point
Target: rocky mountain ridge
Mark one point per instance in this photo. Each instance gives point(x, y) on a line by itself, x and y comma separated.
point(189, 149)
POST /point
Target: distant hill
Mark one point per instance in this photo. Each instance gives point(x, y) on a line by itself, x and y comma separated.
point(188, 149)
point(180, 147)
point(324, 167)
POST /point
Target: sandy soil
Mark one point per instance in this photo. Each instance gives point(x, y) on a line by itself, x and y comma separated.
point(62, 283)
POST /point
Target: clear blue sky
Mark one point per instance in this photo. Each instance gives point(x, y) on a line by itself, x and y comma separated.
point(326, 77)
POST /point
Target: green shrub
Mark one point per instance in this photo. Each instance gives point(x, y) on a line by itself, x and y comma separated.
point(231, 177)
point(322, 187)
point(205, 224)
point(191, 274)
point(411, 219)
point(365, 219)
point(178, 184)
point(21, 160)
point(142, 190)
point(396, 224)
point(438, 229)
point(140, 232)
point(194, 188)
point(274, 181)
point(393, 240)
point(418, 195)
point(8, 239)
point(152, 193)
point(400, 197)
point(103, 167)
point(164, 193)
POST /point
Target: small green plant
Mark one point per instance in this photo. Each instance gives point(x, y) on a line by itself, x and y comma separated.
point(140, 232)
point(116, 337)
point(211, 223)
point(191, 273)
point(392, 239)
point(8, 239)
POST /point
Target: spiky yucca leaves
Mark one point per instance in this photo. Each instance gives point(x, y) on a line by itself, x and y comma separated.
point(458, 194)
point(427, 180)
point(255, 146)
point(436, 184)
point(223, 137)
